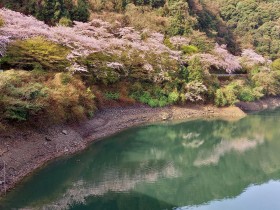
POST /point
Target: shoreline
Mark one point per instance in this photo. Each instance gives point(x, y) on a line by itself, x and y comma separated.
point(260, 105)
point(26, 151)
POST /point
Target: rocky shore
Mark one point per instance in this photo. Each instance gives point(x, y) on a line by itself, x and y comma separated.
point(266, 103)
point(23, 151)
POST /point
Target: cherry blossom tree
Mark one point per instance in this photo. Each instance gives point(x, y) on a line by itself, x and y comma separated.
point(222, 59)
point(83, 38)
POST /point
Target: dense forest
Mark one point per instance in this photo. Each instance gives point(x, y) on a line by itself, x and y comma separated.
point(64, 59)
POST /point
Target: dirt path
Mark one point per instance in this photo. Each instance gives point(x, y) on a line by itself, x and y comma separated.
point(23, 151)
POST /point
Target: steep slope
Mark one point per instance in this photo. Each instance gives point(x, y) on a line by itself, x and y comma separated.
point(254, 23)
point(153, 53)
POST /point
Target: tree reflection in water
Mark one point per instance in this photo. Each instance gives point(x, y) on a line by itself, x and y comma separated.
point(160, 167)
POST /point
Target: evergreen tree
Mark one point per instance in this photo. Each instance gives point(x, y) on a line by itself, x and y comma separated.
point(81, 12)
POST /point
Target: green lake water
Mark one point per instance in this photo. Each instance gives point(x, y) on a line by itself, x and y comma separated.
point(194, 165)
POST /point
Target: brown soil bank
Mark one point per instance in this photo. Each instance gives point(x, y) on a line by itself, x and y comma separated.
point(23, 151)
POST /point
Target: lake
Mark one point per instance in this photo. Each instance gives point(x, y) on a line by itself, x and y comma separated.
point(194, 165)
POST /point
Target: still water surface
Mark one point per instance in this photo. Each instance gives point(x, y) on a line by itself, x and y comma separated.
point(195, 165)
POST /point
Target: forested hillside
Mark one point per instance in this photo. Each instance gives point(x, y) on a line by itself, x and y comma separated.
point(254, 23)
point(73, 57)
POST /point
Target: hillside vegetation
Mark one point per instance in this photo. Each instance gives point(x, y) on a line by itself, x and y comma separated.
point(79, 55)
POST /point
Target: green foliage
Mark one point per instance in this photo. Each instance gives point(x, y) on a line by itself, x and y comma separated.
point(189, 49)
point(269, 81)
point(51, 11)
point(226, 95)
point(154, 95)
point(99, 70)
point(173, 97)
point(237, 91)
point(19, 100)
point(168, 44)
point(112, 95)
point(65, 78)
point(220, 98)
point(27, 95)
point(249, 94)
point(159, 79)
point(195, 70)
point(134, 65)
point(202, 42)
point(81, 12)
point(35, 53)
point(180, 22)
point(64, 21)
point(276, 65)
point(255, 22)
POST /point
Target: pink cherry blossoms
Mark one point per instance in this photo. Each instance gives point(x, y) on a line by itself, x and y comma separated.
point(222, 59)
point(83, 38)
point(250, 58)
point(4, 40)
point(98, 35)
point(179, 41)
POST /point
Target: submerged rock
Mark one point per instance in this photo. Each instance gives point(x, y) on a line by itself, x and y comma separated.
point(65, 132)
point(48, 138)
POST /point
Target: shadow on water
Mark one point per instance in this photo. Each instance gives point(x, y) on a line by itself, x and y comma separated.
point(160, 167)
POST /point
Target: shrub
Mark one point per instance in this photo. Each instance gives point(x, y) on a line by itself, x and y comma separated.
point(226, 95)
point(189, 49)
point(153, 102)
point(195, 91)
point(163, 101)
point(154, 95)
point(65, 78)
point(64, 21)
point(195, 70)
point(99, 71)
point(112, 95)
point(145, 18)
point(269, 81)
point(20, 97)
point(68, 101)
point(168, 43)
point(145, 98)
point(202, 42)
point(276, 65)
point(27, 95)
point(220, 99)
point(28, 54)
point(173, 97)
point(249, 94)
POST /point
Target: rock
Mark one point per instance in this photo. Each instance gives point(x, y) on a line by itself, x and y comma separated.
point(164, 116)
point(48, 139)
point(65, 132)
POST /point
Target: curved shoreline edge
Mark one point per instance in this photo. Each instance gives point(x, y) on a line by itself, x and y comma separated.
point(25, 151)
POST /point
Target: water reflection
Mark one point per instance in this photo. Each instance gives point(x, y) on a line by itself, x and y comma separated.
point(206, 157)
point(265, 196)
point(80, 190)
point(195, 164)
